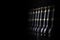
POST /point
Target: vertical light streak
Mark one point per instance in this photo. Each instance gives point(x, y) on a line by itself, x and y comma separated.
point(49, 31)
point(43, 21)
point(33, 19)
point(38, 25)
point(39, 17)
point(47, 21)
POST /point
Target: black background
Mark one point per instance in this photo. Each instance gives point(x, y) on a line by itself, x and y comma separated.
point(17, 15)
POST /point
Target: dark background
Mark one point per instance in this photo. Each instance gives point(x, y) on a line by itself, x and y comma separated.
point(17, 16)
